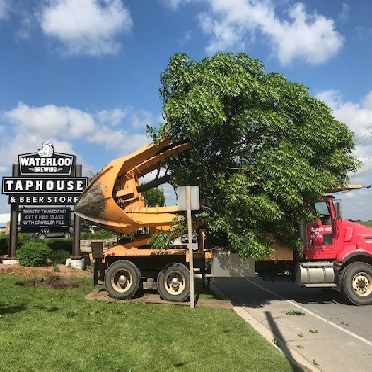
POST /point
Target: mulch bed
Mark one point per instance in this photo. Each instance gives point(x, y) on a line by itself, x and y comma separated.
point(50, 281)
point(61, 271)
point(154, 298)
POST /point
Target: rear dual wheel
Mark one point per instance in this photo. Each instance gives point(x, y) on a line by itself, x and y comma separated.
point(357, 283)
point(174, 282)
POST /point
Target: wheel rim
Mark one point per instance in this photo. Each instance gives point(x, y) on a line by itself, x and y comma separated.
point(174, 283)
point(121, 281)
point(362, 284)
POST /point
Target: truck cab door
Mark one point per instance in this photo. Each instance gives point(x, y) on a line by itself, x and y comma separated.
point(322, 233)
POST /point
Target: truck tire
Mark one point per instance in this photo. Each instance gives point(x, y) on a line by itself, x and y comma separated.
point(122, 279)
point(174, 282)
point(357, 283)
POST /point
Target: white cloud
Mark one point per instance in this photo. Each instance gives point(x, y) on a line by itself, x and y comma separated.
point(4, 8)
point(27, 127)
point(28, 23)
point(107, 137)
point(358, 117)
point(345, 12)
point(140, 119)
point(175, 4)
point(187, 36)
point(363, 33)
point(136, 119)
point(311, 38)
point(233, 24)
point(52, 120)
point(112, 117)
point(89, 27)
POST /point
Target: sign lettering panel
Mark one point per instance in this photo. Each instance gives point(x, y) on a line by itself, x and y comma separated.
point(14, 185)
point(33, 219)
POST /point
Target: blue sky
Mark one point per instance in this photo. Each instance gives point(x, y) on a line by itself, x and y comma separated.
point(84, 74)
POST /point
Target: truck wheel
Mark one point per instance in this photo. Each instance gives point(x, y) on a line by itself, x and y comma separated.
point(122, 279)
point(174, 282)
point(357, 283)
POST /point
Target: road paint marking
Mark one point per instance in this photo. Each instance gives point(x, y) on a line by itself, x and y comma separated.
point(313, 314)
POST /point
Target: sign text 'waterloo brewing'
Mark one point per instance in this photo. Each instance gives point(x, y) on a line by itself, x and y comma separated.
point(46, 161)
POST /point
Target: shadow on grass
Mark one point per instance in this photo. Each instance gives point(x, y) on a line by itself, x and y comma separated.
point(49, 309)
point(6, 309)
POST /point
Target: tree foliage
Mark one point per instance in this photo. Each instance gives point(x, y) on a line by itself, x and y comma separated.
point(154, 197)
point(263, 149)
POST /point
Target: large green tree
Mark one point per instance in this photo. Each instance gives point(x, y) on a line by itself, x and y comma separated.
point(263, 149)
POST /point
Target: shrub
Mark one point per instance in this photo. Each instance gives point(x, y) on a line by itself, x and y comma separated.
point(86, 236)
point(33, 254)
point(59, 244)
point(61, 250)
point(99, 235)
point(4, 243)
point(59, 256)
point(23, 239)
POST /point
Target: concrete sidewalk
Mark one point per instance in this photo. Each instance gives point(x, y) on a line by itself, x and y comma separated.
point(312, 342)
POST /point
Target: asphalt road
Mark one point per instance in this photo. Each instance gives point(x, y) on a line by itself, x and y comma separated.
point(319, 326)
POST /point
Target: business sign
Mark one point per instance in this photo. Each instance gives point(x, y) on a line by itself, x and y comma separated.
point(46, 162)
point(53, 219)
point(45, 178)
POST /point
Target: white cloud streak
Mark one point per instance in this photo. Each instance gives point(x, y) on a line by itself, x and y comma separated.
point(88, 27)
point(345, 12)
point(301, 36)
point(175, 4)
point(4, 9)
point(112, 117)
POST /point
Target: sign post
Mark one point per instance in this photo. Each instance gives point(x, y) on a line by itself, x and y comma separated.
point(77, 224)
point(191, 253)
point(13, 237)
point(188, 200)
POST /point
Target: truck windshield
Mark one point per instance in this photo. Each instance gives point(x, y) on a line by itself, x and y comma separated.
point(322, 208)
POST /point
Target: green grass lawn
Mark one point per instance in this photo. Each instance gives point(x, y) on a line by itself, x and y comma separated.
point(52, 330)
